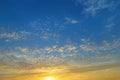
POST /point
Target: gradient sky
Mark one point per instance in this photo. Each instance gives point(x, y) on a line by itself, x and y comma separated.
point(64, 39)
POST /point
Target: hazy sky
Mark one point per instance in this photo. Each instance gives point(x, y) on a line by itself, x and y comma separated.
point(64, 39)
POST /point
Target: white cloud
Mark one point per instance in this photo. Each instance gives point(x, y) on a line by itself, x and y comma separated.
point(15, 35)
point(46, 29)
point(48, 35)
point(94, 6)
point(71, 20)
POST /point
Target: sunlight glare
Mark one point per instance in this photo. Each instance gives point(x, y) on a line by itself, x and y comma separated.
point(49, 78)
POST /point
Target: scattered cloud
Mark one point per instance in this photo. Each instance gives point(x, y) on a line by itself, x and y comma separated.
point(47, 29)
point(25, 58)
point(14, 35)
point(48, 45)
point(42, 34)
point(90, 46)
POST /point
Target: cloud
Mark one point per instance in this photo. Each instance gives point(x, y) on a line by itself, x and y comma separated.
point(24, 59)
point(90, 46)
point(71, 20)
point(112, 25)
point(48, 35)
point(47, 29)
point(94, 6)
point(33, 57)
point(8, 36)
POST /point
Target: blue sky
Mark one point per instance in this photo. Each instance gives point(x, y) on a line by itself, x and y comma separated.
point(67, 30)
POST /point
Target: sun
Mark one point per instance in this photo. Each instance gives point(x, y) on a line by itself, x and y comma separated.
point(49, 78)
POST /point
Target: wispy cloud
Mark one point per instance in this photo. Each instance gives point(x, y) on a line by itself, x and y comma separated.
point(71, 20)
point(111, 26)
point(94, 6)
point(93, 67)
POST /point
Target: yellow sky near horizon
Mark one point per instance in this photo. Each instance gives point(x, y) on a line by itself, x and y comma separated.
point(67, 73)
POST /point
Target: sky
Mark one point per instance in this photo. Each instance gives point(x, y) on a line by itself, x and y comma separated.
point(62, 39)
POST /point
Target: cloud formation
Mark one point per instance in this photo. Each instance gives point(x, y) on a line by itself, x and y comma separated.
point(14, 35)
point(25, 58)
point(94, 6)
point(90, 46)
